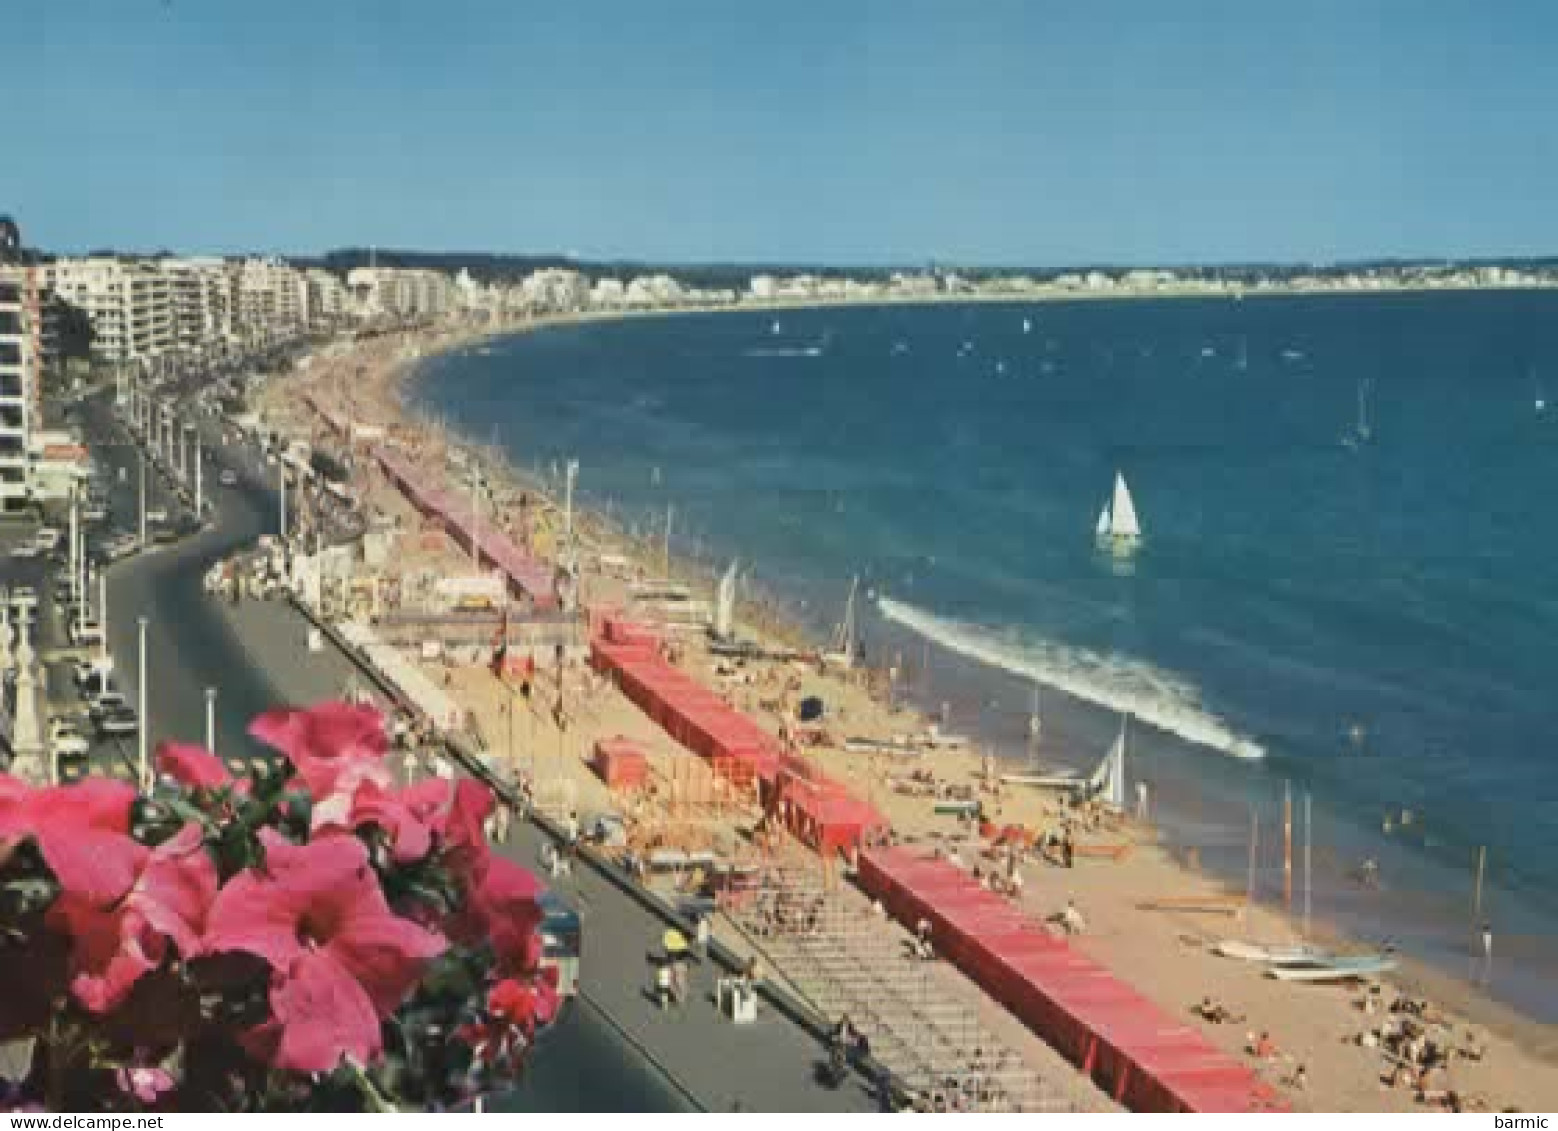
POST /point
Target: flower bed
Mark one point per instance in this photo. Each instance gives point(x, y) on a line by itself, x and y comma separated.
point(307, 939)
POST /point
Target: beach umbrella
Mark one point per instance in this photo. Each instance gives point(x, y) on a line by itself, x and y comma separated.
point(811, 709)
point(674, 941)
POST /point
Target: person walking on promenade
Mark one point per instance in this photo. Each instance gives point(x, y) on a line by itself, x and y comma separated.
point(701, 933)
point(1487, 952)
point(663, 985)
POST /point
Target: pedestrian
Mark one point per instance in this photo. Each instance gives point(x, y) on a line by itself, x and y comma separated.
point(1487, 952)
point(663, 985)
point(679, 982)
point(701, 933)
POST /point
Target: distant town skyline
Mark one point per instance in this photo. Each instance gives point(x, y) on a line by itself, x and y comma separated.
point(1011, 135)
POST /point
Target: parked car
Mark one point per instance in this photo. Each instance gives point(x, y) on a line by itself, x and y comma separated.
point(93, 675)
point(118, 723)
point(26, 550)
point(85, 632)
point(24, 599)
point(47, 539)
point(157, 514)
point(66, 741)
point(105, 701)
point(229, 477)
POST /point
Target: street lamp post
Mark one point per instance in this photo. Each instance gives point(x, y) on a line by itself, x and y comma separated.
point(475, 527)
point(143, 499)
point(102, 619)
point(144, 727)
point(211, 719)
point(281, 467)
point(75, 542)
point(200, 508)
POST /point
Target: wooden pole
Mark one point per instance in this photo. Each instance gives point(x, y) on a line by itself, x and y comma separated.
point(1249, 896)
point(1476, 899)
point(1309, 831)
point(1287, 845)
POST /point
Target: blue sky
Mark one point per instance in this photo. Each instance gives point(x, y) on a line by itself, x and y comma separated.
point(997, 131)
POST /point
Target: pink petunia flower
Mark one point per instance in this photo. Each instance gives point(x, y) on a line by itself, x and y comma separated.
point(503, 908)
point(143, 1083)
point(112, 948)
point(341, 960)
point(449, 814)
point(193, 767)
point(334, 746)
point(82, 830)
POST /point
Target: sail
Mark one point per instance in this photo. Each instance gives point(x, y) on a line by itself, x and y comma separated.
point(1103, 522)
point(1107, 782)
point(1115, 795)
point(1123, 522)
point(844, 634)
point(725, 605)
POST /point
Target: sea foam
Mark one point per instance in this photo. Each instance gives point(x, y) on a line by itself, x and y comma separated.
point(1148, 694)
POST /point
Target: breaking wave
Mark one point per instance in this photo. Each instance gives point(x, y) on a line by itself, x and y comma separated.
point(1154, 697)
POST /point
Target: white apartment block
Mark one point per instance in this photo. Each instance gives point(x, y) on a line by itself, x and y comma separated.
point(329, 301)
point(271, 297)
point(130, 304)
point(555, 288)
point(402, 293)
point(202, 297)
point(18, 379)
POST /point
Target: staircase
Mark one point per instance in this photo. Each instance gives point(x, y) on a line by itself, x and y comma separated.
point(844, 959)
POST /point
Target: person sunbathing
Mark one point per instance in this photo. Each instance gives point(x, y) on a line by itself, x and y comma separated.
point(1263, 1047)
point(1216, 1012)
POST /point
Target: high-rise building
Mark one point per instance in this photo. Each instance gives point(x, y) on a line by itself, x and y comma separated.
point(130, 304)
point(18, 366)
point(202, 298)
point(271, 297)
point(402, 293)
point(329, 302)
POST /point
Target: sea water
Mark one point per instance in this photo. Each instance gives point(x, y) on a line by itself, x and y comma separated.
point(1359, 608)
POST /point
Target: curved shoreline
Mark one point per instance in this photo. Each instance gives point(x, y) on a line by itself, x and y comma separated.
point(1463, 998)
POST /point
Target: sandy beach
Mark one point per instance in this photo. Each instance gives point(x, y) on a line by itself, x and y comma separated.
point(1328, 1051)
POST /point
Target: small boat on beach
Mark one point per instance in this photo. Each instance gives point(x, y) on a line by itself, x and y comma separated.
point(1106, 783)
point(1332, 969)
point(1278, 955)
point(1119, 530)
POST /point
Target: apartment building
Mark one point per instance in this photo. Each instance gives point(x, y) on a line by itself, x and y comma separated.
point(18, 368)
point(329, 302)
point(201, 291)
point(271, 297)
point(130, 304)
point(402, 293)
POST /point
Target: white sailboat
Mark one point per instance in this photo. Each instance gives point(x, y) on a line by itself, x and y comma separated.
point(1119, 530)
point(1362, 432)
point(1106, 783)
point(842, 652)
point(725, 605)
